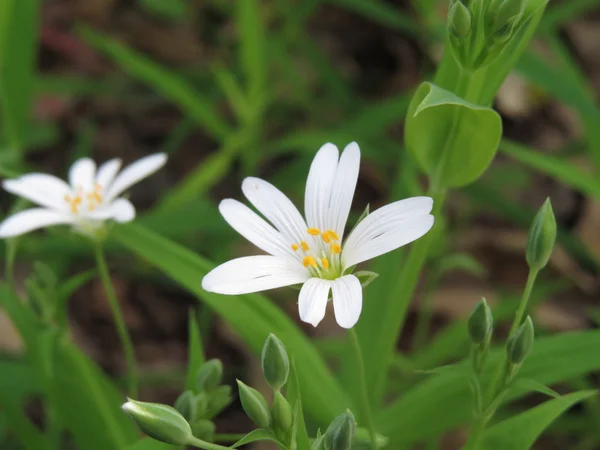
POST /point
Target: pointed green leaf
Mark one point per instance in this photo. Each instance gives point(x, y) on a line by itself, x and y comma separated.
point(520, 432)
point(256, 435)
point(195, 351)
point(531, 385)
point(451, 139)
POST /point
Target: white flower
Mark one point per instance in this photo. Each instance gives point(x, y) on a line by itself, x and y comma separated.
point(89, 199)
point(313, 252)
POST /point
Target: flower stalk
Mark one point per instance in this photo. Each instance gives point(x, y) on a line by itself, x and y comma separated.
point(122, 331)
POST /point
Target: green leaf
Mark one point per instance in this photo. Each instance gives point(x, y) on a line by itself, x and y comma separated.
point(452, 140)
point(557, 168)
point(417, 415)
point(252, 316)
point(172, 10)
point(19, 22)
point(252, 46)
point(295, 399)
point(195, 351)
point(520, 432)
point(87, 403)
point(169, 84)
point(531, 385)
point(256, 435)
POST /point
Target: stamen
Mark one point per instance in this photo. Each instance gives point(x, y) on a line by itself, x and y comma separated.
point(325, 237)
point(336, 248)
point(309, 261)
point(313, 231)
point(333, 235)
point(305, 246)
point(325, 263)
point(295, 247)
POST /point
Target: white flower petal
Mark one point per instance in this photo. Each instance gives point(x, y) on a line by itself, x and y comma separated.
point(388, 228)
point(343, 189)
point(254, 228)
point(32, 219)
point(121, 210)
point(276, 207)
point(312, 301)
point(347, 300)
point(319, 185)
point(107, 172)
point(45, 190)
point(135, 172)
point(254, 274)
point(82, 174)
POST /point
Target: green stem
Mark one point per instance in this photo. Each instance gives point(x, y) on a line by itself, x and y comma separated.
point(119, 322)
point(228, 437)
point(531, 277)
point(366, 407)
point(476, 434)
point(199, 443)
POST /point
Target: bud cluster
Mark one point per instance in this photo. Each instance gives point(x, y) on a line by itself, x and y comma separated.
point(192, 412)
point(479, 30)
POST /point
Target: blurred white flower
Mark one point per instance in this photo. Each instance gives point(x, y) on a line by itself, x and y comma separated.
point(89, 199)
point(313, 252)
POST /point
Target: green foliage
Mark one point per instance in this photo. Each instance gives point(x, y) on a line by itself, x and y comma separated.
point(453, 141)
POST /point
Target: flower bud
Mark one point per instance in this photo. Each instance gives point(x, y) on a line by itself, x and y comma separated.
point(340, 433)
point(186, 405)
point(202, 403)
point(282, 414)
point(160, 422)
point(520, 344)
point(210, 375)
point(218, 400)
point(254, 405)
point(275, 362)
point(459, 20)
point(481, 322)
point(541, 238)
point(203, 429)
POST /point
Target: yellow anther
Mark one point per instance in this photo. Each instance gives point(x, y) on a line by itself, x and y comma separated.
point(336, 248)
point(325, 237)
point(333, 235)
point(313, 231)
point(305, 246)
point(73, 202)
point(309, 261)
point(295, 247)
point(325, 263)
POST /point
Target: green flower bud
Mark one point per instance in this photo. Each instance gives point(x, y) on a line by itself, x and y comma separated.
point(282, 414)
point(186, 405)
point(160, 422)
point(481, 322)
point(542, 236)
point(459, 20)
point(275, 362)
point(340, 433)
point(519, 345)
point(210, 375)
point(502, 14)
point(218, 400)
point(202, 402)
point(254, 405)
point(203, 429)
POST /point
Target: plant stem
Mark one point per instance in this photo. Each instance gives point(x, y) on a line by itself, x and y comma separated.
point(199, 443)
point(531, 277)
point(228, 437)
point(119, 322)
point(366, 407)
point(476, 434)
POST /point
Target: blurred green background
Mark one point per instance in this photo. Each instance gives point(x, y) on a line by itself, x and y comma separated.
point(228, 90)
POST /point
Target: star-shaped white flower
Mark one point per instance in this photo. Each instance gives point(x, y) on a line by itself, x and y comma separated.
point(90, 198)
point(313, 251)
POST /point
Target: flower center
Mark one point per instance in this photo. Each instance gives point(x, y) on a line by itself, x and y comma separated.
point(322, 259)
point(90, 200)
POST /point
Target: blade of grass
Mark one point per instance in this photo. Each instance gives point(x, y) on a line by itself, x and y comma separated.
point(169, 84)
